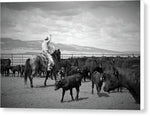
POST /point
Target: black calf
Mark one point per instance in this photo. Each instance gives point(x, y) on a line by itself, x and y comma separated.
point(70, 82)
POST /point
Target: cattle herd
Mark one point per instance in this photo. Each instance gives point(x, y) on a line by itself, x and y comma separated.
point(6, 68)
point(110, 72)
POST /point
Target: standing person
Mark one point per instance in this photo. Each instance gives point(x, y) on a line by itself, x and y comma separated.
point(48, 48)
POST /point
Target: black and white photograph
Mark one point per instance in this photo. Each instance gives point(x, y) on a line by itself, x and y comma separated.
point(71, 55)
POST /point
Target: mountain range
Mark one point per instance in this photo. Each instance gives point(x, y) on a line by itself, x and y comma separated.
point(9, 45)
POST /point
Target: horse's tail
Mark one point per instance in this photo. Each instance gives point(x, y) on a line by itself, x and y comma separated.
point(27, 70)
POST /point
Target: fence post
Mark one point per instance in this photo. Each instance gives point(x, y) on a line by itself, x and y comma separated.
point(12, 59)
point(22, 58)
point(61, 56)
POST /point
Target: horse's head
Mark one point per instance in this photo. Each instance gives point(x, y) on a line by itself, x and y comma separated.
point(57, 55)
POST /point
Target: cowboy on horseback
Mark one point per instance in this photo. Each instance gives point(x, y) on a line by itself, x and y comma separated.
point(48, 48)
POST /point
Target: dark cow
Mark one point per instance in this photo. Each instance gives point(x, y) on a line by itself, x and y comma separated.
point(73, 70)
point(86, 73)
point(79, 62)
point(5, 66)
point(89, 67)
point(116, 73)
point(66, 64)
point(22, 67)
point(127, 78)
point(70, 82)
point(15, 69)
point(97, 79)
point(99, 69)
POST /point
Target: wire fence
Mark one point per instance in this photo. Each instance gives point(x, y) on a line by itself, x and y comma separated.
point(19, 59)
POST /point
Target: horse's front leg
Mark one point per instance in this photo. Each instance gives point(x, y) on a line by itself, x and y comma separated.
point(51, 74)
point(55, 77)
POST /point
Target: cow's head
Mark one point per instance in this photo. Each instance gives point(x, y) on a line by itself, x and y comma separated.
point(111, 82)
point(58, 84)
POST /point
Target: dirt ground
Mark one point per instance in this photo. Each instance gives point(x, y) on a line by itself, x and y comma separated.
point(15, 94)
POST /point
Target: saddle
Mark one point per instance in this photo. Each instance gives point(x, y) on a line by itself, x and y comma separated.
point(44, 57)
point(45, 60)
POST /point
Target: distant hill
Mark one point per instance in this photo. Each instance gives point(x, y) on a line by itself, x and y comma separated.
point(17, 46)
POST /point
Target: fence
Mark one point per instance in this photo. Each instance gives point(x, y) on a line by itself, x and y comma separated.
point(21, 58)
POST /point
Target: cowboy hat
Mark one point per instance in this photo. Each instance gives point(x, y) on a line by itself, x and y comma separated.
point(47, 39)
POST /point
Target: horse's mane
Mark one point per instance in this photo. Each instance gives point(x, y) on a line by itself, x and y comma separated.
point(55, 55)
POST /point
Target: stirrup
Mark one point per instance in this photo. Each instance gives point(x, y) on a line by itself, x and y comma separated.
point(49, 68)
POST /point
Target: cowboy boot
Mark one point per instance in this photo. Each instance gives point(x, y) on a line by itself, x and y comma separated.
point(49, 68)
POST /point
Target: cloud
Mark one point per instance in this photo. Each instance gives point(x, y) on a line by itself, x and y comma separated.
point(57, 6)
point(107, 25)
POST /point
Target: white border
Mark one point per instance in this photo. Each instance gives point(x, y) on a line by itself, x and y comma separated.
point(142, 54)
point(58, 0)
point(38, 112)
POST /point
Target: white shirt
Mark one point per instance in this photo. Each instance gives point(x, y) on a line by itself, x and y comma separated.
point(44, 46)
point(48, 46)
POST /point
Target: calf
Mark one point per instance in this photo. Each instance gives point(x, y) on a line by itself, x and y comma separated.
point(68, 83)
point(97, 79)
point(127, 78)
point(15, 69)
point(86, 74)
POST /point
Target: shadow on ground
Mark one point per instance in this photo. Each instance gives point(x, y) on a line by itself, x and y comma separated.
point(42, 86)
point(82, 98)
point(103, 95)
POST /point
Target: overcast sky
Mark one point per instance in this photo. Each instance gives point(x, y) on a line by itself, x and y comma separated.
point(108, 25)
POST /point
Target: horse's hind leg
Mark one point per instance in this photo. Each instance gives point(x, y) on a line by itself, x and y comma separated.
point(98, 89)
point(47, 74)
point(55, 76)
point(31, 81)
point(31, 77)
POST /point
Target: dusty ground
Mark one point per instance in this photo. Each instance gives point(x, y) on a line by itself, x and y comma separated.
point(15, 94)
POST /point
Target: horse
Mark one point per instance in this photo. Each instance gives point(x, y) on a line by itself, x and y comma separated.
point(39, 63)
